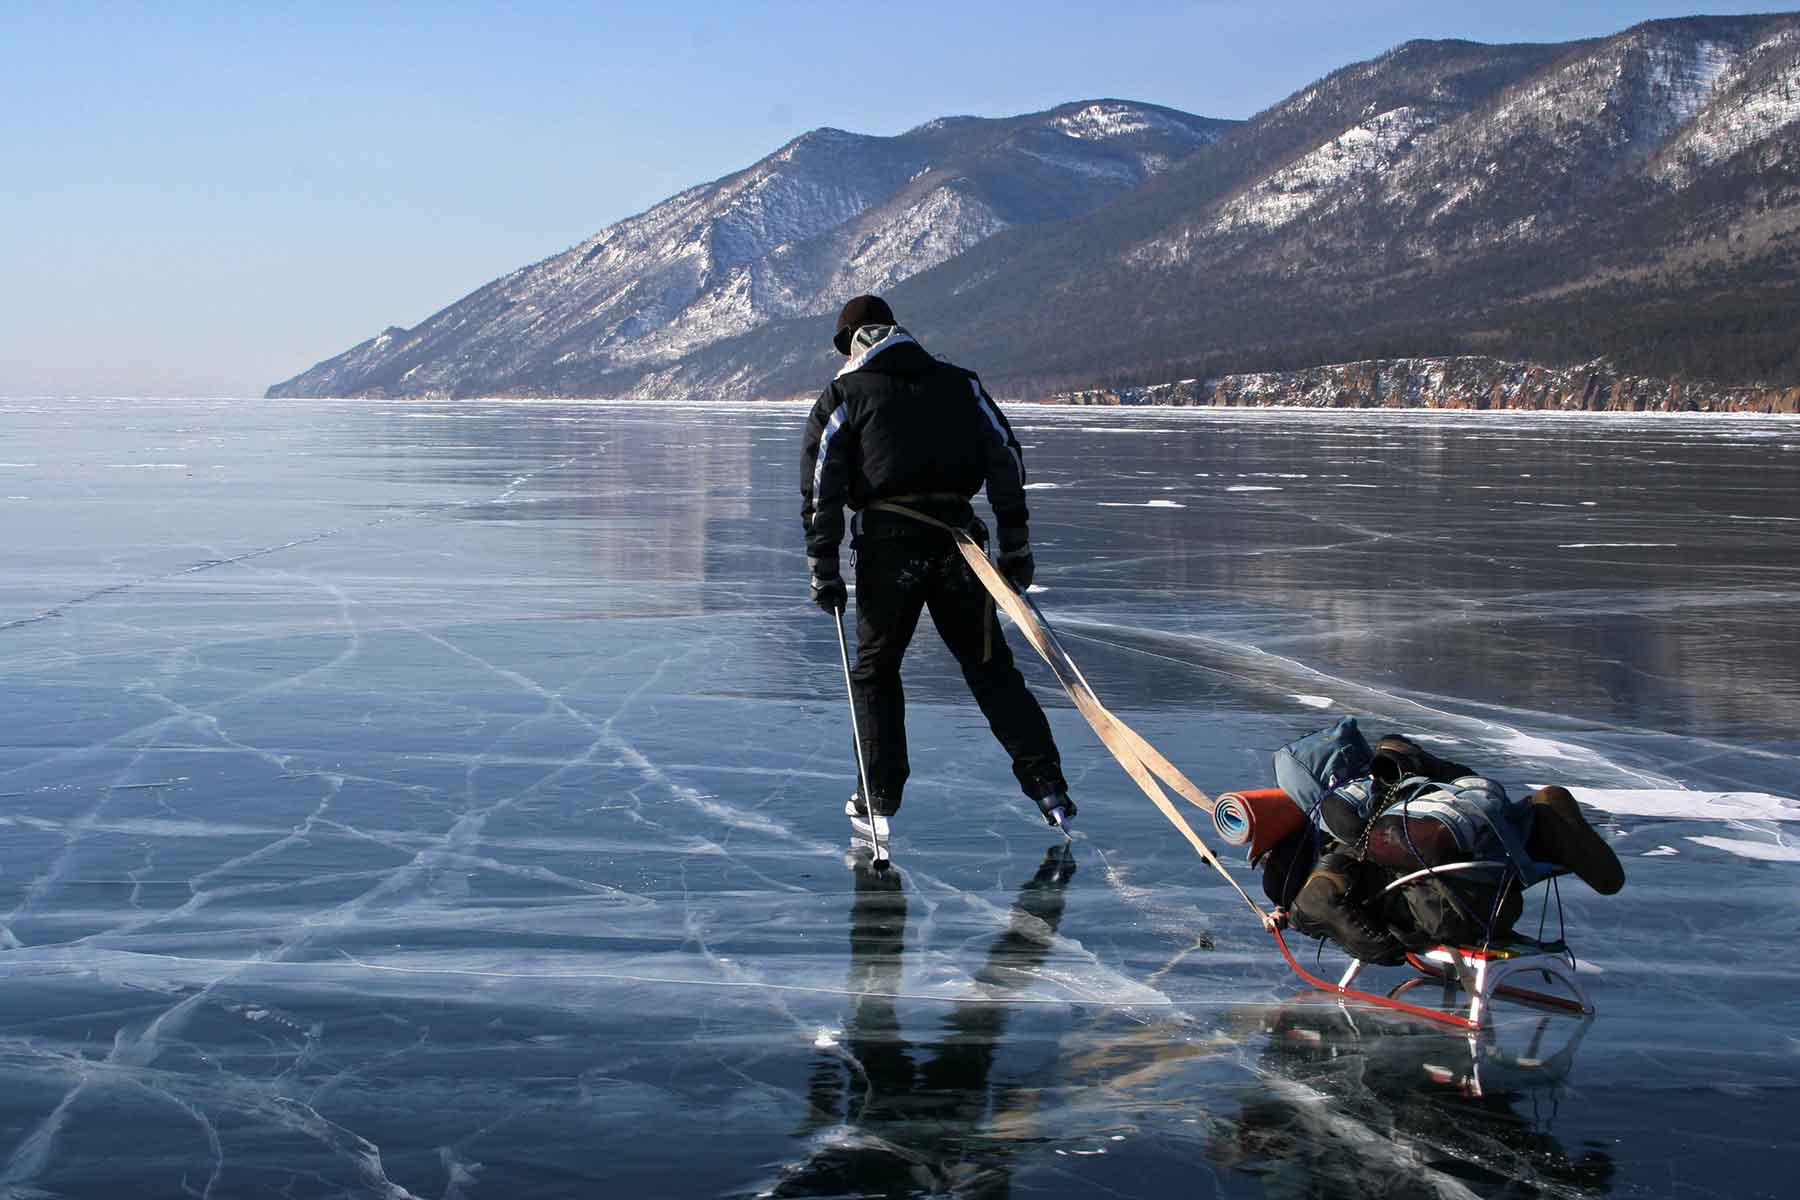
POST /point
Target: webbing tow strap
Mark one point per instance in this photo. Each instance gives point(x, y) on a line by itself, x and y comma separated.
point(1142, 761)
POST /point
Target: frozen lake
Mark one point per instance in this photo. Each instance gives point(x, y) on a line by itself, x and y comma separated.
point(445, 801)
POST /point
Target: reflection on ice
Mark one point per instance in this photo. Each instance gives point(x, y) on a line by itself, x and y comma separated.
point(446, 801)
point(904, 1118)
point(1350, 1104)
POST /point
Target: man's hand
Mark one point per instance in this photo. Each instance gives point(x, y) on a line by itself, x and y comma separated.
point(828, 590)
point(1018, 567)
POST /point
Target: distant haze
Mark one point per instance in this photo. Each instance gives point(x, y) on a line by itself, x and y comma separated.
point(203, 200)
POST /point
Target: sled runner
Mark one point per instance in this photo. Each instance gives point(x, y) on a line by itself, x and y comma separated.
point(1481, 972)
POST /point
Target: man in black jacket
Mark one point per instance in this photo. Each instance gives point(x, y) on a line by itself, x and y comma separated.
point(898, 426)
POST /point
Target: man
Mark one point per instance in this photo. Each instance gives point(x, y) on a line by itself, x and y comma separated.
point(899, 428)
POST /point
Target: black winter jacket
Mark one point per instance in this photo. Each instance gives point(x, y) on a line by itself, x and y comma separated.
point(898, 422)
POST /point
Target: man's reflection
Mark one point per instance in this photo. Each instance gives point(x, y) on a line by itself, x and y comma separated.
point(1347, 1108)
point(905, 1127)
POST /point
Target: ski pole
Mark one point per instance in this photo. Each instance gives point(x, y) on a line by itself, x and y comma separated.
point(862, 772)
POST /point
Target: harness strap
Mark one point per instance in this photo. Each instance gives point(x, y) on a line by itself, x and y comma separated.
point(888, 503)
point(893, 504)
point(1140, 759)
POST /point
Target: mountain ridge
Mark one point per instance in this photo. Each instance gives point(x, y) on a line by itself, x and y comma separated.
point(1635, 196)
point(826, 214)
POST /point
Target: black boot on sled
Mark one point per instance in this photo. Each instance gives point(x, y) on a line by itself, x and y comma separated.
point(1561, 835)
point(1323, 909)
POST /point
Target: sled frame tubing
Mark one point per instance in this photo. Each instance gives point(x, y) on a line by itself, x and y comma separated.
point(1463, 976)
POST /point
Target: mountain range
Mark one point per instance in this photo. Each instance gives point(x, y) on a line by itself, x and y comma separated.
point(1634, 197)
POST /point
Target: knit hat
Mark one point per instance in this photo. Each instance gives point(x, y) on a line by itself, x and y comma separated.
point(863, 310)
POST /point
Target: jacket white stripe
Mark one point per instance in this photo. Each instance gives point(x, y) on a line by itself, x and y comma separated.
point(831, 427)
point(999, 429)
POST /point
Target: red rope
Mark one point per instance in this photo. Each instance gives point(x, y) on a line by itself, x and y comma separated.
point(1429, 1014)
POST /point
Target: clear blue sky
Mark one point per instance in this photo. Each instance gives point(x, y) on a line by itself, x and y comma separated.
point(201, 199)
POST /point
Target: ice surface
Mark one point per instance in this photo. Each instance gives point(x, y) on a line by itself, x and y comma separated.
point(446, 800)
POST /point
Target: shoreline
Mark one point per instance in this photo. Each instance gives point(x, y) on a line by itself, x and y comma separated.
point(1092, 408)
point(1461, 382)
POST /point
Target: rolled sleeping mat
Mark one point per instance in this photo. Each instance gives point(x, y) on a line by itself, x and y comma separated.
point(1258, 818)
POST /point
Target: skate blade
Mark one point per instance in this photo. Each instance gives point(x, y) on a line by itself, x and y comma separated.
point(859, 828)
point(863, 848)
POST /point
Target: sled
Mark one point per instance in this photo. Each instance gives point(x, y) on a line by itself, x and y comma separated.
point(1481, 972)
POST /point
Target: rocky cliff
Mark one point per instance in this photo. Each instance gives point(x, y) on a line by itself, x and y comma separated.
point(1470, 381)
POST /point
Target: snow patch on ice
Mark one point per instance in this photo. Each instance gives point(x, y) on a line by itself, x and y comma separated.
point(1762, 851)
point(1314, 701)
point(1691, 806)
point(1527, 745)
point(1140, 504)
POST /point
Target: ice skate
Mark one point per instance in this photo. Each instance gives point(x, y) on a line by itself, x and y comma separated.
point(1058, 808)
point(865, 838)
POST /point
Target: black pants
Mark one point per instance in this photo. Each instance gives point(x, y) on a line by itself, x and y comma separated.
point(895, 579)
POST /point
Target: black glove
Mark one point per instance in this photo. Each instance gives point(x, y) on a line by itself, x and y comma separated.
point(828, 590)
point(1018, 567)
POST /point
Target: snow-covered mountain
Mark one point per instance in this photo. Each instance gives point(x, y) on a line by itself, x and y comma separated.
point(827, 216)
point(1635, 197)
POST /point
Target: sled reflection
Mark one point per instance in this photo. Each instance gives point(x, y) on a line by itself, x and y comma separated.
point(1356, 1102)
point(892, 1118)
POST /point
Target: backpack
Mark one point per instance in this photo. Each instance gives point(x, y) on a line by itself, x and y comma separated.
point(1311, 768)
point(1308, 770)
